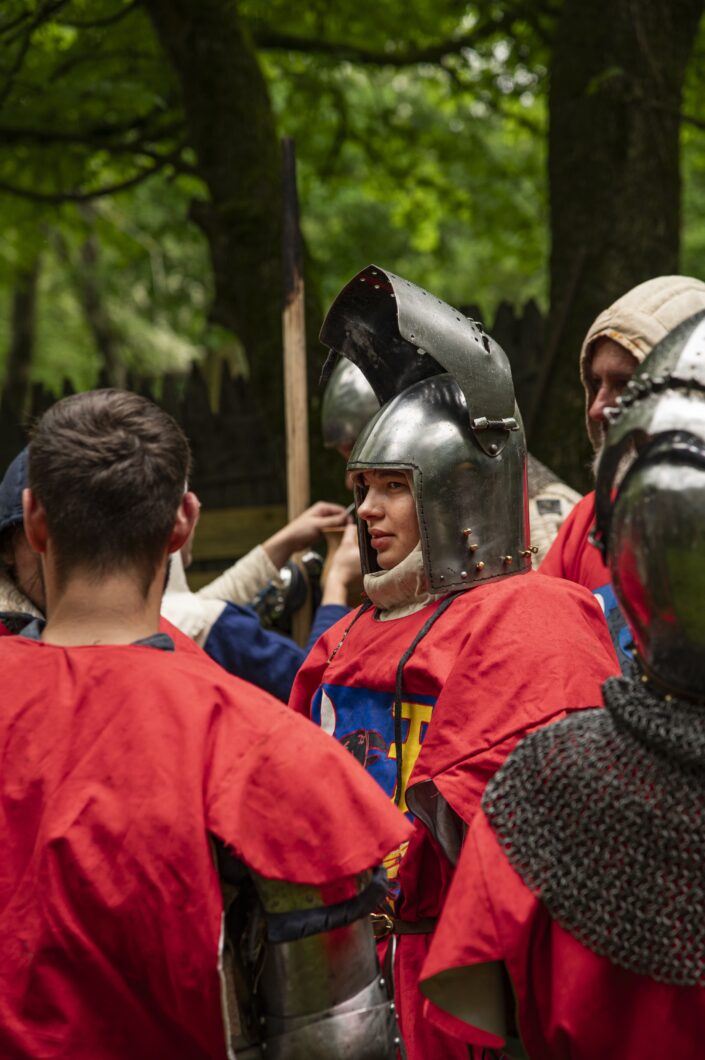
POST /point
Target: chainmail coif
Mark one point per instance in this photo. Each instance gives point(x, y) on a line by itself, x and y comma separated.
point(603, 816)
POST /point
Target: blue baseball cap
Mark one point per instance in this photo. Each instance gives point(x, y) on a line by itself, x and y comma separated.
point(15, 480)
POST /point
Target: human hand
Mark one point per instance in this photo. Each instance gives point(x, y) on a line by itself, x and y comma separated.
point(345, 571)
point(304, 530)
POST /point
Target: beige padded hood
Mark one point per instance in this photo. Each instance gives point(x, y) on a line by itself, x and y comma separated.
point(638, 320)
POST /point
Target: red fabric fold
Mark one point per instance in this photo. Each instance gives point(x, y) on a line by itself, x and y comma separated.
point(504, 659)
point(116, 765)
point(571, 555)
point(572, 1004)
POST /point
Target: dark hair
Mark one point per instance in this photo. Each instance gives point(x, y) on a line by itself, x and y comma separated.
point(109, 468)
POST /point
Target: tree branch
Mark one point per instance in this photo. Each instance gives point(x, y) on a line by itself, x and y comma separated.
point(15, 68)
point(58, 198)
point(44, 12)
point(98, 57)
point(271, 40)
point(689, 119)
point(109, 20)
point(42, 15)
point(15, 134)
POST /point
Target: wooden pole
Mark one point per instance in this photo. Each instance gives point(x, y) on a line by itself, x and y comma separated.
point(298, 482)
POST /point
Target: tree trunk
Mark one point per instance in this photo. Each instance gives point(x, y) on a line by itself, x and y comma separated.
point(614, 102)
point(97, 318)
point(92, 302)
point(22, 335)
point(231, 128)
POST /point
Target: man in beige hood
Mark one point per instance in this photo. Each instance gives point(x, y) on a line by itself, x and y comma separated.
point(616, 343)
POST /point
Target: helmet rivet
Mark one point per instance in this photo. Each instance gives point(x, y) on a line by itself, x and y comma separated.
point(442, 577)
point(506, 559)
point(473, 548)
point(480, 566)
point(463, 574)
point(494, 448)
point(467, 531)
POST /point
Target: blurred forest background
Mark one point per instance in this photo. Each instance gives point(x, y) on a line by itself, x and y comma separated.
point(491, 151)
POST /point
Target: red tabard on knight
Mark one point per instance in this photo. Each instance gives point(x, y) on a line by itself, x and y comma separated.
point(117, 764)
point(572, 1004)
point(504, 659)
point(571, 555)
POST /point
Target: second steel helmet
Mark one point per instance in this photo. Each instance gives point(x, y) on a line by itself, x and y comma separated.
point(348, 403)
point(650, 508)
point(448, 416)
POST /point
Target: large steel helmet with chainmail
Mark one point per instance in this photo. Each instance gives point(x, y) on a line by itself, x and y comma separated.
point(448, 416)
point(349, 402)
point(650, 508)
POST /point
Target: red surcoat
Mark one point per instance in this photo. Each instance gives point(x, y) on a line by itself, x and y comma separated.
point(117, 765)
point(571, 555)
point(505, 658)
point(572, 1004)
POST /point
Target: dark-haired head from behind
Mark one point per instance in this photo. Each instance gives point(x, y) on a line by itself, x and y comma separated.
point(109, 468)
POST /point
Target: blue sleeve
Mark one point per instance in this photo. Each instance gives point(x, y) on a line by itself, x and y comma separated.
point(325, 617)
point(243, 647)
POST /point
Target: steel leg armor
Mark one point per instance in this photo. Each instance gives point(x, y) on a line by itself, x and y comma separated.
point(301, 980)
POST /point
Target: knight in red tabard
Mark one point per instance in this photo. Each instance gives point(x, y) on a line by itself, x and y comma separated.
point(186, 867)
point(616, 343)
point(459, 649)
point(580, 889)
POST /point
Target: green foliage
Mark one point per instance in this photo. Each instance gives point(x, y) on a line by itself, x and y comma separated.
point(693, 155)
point(435, 187)
point(435, 170)
point(152, 273)
point(88, 103)
point(421, 136)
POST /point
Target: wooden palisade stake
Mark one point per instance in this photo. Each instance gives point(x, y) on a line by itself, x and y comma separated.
point(294, 341)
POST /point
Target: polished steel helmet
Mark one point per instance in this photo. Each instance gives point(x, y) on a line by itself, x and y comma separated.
point(448, 416)
point(650, 508)
point(348, 403)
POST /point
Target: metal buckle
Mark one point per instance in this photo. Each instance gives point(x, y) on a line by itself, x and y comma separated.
point(382, 925)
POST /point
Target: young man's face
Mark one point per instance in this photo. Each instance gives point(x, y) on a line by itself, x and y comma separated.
point(389, 510)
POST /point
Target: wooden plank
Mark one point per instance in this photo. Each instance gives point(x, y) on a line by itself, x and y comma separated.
point(294, 343)
point(228, 533)
point(298, 480)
